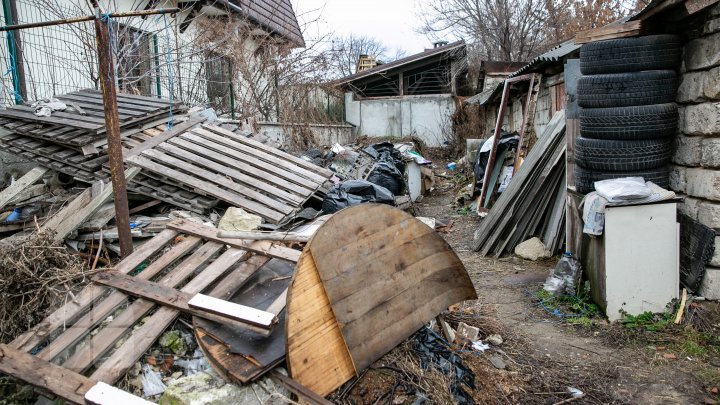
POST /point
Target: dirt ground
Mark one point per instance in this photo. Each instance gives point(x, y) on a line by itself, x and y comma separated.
point(545, 355)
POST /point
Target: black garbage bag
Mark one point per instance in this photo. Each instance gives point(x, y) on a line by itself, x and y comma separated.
point(355, 192)
point(434, 352)
point(389, 169)
point(508, 140)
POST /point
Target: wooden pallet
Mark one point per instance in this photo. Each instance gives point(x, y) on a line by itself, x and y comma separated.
point(79, 128)
point(184, 251)
point(217, 163)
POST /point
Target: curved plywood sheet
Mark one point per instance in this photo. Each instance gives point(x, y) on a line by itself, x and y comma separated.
point(384, 274)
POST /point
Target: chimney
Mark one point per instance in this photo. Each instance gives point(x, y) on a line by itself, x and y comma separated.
point(438, 44)
point(365, 62)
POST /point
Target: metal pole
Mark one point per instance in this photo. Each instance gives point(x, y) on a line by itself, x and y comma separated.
point(107, 80)
point(15, 51)
point(89, 18)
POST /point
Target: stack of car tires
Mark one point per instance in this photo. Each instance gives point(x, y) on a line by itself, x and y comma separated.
point(628, 117)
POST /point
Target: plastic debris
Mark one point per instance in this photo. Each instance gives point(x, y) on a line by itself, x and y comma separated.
point(480, 346)
point(355, 192)
point(564, 277)
point(152, 382)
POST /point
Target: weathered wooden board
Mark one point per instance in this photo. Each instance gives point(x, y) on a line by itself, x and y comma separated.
point(375, 259)
point(317, 354)
point(56, 380)
point(236, 352)
point(29, 178)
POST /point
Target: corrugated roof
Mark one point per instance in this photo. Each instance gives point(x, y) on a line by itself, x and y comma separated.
point(553, 55)
point(275, 15)
point(400, 62)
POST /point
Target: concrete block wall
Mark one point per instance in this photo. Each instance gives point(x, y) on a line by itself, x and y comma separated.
point(696, 164)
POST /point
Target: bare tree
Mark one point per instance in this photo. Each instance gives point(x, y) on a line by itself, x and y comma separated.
point(347, 49)
point(516, 30)
point(499, 29)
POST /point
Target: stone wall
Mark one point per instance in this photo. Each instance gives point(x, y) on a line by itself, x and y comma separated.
point(696, 163)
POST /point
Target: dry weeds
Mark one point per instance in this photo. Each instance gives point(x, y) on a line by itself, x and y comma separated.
point(35, 275)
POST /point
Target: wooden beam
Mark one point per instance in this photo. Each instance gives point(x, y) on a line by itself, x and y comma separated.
point(273, 236)
point(61, 382)
point(195, 304)
point(71, 223)
point(262, 247)
point(625, 30)
point(145, 206)
point(28, 179)
point(298, 389)
point(157, 140)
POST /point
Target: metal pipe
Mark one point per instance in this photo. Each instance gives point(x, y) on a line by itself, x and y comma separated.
point(15, 52)
point(112, 124)
point(73, 20)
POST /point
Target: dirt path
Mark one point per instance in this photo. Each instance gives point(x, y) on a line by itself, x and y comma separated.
point(559, 355)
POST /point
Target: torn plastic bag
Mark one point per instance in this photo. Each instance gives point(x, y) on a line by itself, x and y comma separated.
point(355, 192)
point(434, 352)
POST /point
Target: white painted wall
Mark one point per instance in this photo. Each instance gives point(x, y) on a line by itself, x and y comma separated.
point(427, 117)
point(324, 134)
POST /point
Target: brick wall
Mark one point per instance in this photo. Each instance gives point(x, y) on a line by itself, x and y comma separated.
point(696, 163)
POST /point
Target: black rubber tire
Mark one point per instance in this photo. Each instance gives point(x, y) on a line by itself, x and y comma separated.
point(630, 123)
point(585, 178)
point(627, 89)
point(652, 52)
point(619, 156)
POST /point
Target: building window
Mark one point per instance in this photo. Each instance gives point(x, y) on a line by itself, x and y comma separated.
point(134, 61)
point(218, 76)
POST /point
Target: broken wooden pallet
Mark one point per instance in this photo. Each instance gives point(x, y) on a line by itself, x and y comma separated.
point(245, 173)
point(370, 277)
point(189, 252)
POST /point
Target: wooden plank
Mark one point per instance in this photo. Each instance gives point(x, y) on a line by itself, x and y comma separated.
point(94, 118)
point(261, 247)
point(145, 206)
point(99, 107)
point(82, 300)
point(323, 172)
point(317, 356)
point(197, 305)
point(298, 389)
point(158, 103)
point(157, 140)
point(245, 161)
point(98, 220)
point(210, 189)
point(104, 340)
point(612, 31)
point(261, 182)
point(218, 177)
point(82, 200)
point(140, 341)
point(282, 160)
point(73, 221)
point(46, 376)
point(272, 236)
point(58, 381)
point(20, 184)
point(144, 109)
point(233, 281)
point(28, 116)
point(105, 307)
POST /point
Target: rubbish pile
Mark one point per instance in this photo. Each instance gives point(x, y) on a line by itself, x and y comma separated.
point(386, 173)
point(225, 227)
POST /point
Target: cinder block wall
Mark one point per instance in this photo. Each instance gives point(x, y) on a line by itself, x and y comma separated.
point(696, 164)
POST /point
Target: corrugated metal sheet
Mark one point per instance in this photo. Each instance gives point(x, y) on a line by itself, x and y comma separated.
point(400, 62)
point(553, 55)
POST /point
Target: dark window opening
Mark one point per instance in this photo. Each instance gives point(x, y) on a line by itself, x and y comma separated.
point(384, 87)
point(134, 61)
point(428, 80)
point(218, 77)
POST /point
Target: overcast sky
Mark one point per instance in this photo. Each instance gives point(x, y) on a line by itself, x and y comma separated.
point(390, 21)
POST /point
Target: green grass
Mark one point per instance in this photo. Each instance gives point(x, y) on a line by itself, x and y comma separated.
point(647, 320)
point(710, 376)
point(574, 309)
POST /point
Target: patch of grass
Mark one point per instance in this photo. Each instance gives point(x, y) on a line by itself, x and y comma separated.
point(710, 376)
point(574, 309)
point(647, 320)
